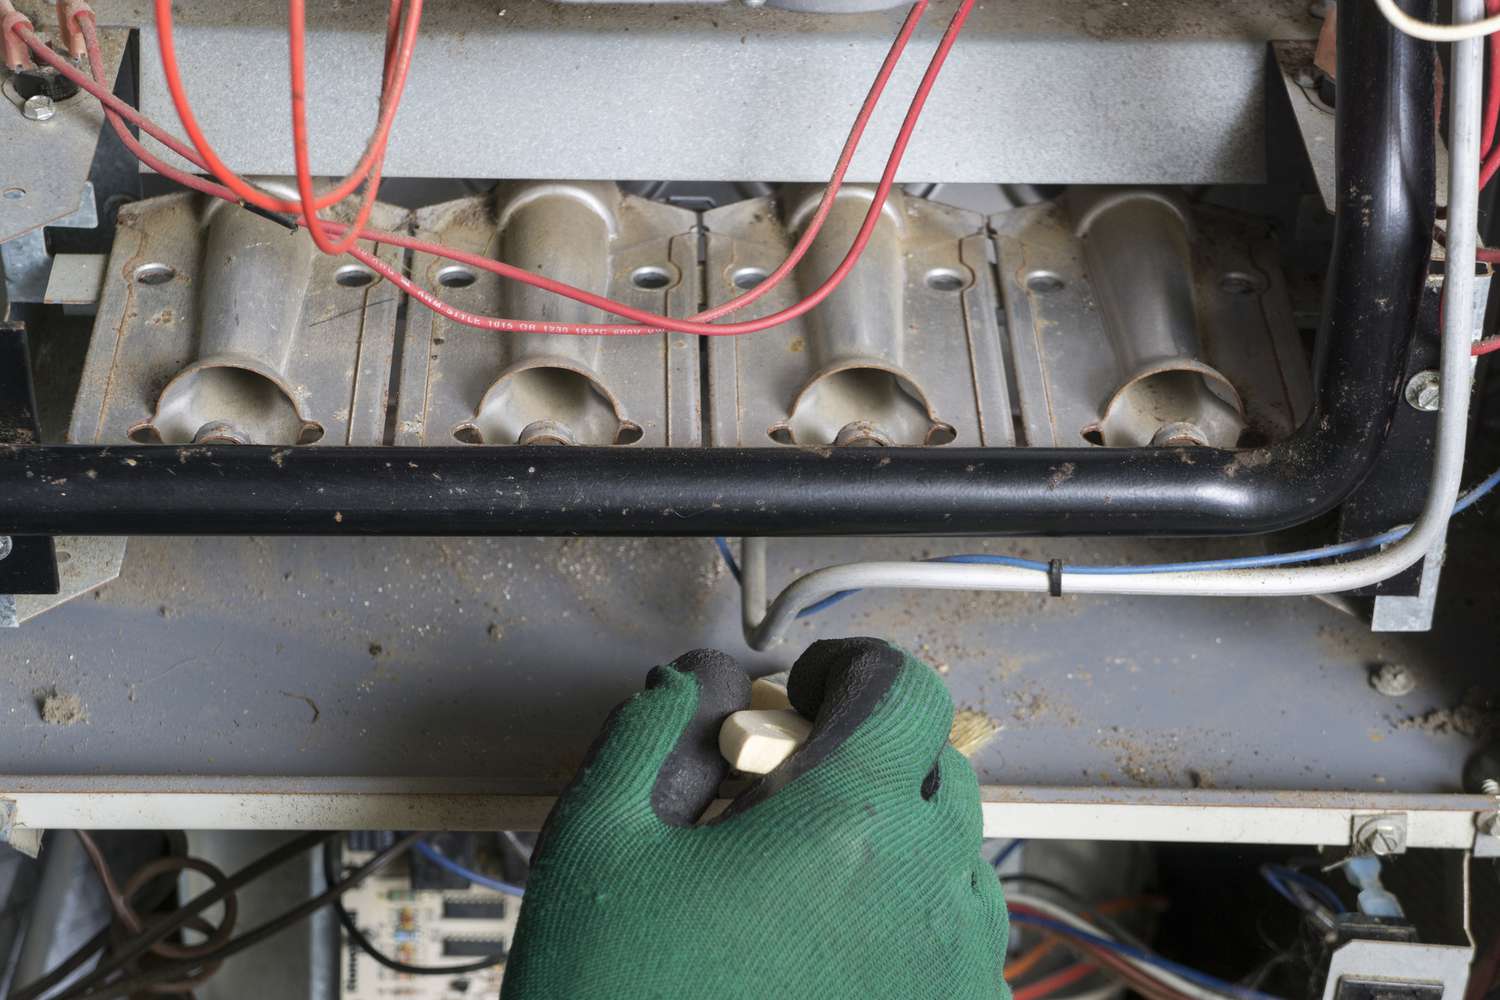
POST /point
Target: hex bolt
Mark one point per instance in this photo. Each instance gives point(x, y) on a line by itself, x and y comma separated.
point(220, 432)
point(1423, 391)
point(39, 108)
point(1392, 680)
point(5, 546)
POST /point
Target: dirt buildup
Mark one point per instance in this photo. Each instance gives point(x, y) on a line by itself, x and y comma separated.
point(62, 709)
point(1475, 717)
point(1060, 474)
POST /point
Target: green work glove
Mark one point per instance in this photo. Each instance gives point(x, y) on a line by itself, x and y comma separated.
point(851, 871)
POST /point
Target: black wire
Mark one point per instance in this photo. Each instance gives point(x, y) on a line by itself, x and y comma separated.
point(170, 971)
point(127, 951)
point(331, 865)
point(176, 847)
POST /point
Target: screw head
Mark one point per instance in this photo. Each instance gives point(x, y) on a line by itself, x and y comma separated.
point(1490, 786)
point(5, 546)
point(1383, 836)
point(39, 108)
point(1392, 680)
point(1423, 391)
point(1305, 77)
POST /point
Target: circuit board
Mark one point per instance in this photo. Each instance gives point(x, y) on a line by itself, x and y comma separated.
point(424, 927)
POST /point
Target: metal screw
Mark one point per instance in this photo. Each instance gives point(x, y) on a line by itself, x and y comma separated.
point(39, 108)
point(1392, 680)
point(1383, 836)
point(1423, 392)
point(5, 546)
point(1305, 76)
point(1489, 786)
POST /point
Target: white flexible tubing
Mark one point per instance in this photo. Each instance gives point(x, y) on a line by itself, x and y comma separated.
point(1428, 31)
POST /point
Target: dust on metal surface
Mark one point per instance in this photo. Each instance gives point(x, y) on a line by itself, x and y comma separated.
point(1180, 84)
point(496, 659)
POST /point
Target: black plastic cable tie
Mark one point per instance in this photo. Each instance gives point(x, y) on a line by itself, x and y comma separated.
point(276, 217)
point(1054, 577)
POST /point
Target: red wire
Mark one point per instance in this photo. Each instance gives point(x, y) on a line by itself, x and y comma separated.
point(687, 326)
point(391, 90)
point(1492, 96)
point(85, 22)
point(695, 324)
point(691, 326)
point(1058, 980)
point(209, 159)
point(810, 232)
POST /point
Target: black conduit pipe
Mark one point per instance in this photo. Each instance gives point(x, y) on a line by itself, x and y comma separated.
point(1380, 258)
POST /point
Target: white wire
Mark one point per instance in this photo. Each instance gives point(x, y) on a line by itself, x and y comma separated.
point(1428, 31)
point(1109, 990)
point(1064, 915)
point(765, 626)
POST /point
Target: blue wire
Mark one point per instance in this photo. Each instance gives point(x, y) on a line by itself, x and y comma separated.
point(432, 854)
point(1467, 500)
point(728, 554)
point(1008, 850)
point(1322, 891)
point(1150, 958)
point(1478, 493)
point(1279, 875)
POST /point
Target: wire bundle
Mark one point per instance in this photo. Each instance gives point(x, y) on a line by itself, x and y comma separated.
point(1111, 950)
point(141, 957)
point(340, 237)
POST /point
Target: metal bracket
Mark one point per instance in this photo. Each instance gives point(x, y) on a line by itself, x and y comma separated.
point(1407, 612)
point(23, 839)
point(47, 162)
point(25, 261)
point(1398, 968)
point(1487, 825)
point(1382, 835)
point(29, 567)
point(1487, 835)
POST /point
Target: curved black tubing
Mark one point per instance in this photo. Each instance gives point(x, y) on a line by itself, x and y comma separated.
point(1380, 260)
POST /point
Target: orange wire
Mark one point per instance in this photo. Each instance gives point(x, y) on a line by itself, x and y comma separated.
point(172, 73)
point(297, 43)
point(1028, 959)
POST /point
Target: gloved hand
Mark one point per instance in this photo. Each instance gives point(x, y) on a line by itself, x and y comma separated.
point(851, 871)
